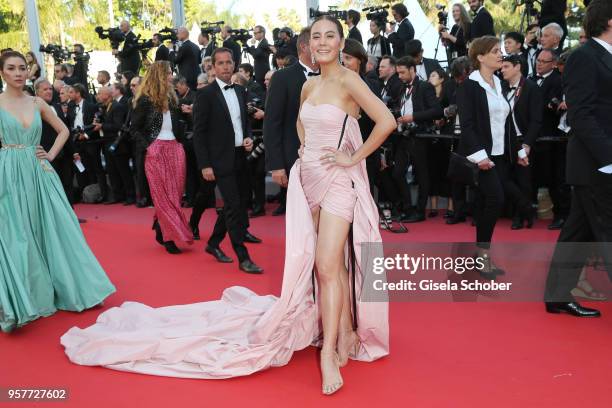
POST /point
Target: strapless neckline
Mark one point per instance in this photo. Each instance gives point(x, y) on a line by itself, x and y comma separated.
point(333, 106)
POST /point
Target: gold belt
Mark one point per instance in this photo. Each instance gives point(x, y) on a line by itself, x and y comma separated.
point(13, 146)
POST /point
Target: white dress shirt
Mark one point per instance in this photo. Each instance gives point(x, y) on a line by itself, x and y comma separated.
point(234, 109)
point(307, 71)
point(78, 118)
point(498, 112)
point(605, 169)
point(421, 71)
point(166, 130)
point(512, 101)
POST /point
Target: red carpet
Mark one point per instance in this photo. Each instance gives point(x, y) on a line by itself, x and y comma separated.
point(442, 354)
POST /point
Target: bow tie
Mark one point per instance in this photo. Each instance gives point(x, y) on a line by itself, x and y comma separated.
point(539, 78)
point(226, 87)
point(314, 74)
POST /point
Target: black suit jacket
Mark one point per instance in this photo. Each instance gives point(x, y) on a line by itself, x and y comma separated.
point(475, 121)
point(261, 57)
point(431, 65)
point(162, 53)
point(213, 133)
point(482, 25)
point(112, 123)
point(425, 105)
point(187, 60)
point(282, 108)
point(552, 87)
point(355, 34)
point(129, 54)
point(393, 89)
point(49, 134)
point(209, 49)
point(587, 78)
point(382, 42)
point(188, 99)
point(527, 111)
point(89, 112)
point(405, 33)
point(236, 51)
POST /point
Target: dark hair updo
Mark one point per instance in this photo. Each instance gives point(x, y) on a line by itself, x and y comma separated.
point(326, 17)
point(10, 54)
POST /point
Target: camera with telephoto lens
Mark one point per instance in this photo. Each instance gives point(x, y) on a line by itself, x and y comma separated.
point(241, 34)
point(554, 103)
point(377, 13)
point(114, 34)
point(333, 11)
point(253, 105)
point(209, 28)
point(74, 133)
point(258, 148)
point(124, 133)
point(59, 53)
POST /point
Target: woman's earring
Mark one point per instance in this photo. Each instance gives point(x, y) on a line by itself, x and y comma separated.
point(340, 57)
point(314, 61)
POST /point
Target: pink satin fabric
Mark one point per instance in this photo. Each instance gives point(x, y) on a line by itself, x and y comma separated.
point(166, 169)
point(243, 332)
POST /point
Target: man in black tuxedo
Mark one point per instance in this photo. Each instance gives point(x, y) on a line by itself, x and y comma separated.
point(231, 44)
point(424, 66)
point(391, 85)
point(549, 166)
point(162, 53)
point(482, 23)
point(129, 56)
point(402, 30)
point(587, 78)
point(282, 108)
point(87, 143)
point(525, 99)
point(207, 46)
point(186, 57)
point(418, 108)
point(352, 20)
point(64, 161)
point(116, 151)
point(221, 137)
point(261, 53)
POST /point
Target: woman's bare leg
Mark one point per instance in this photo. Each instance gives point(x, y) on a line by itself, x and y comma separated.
point(329, 261)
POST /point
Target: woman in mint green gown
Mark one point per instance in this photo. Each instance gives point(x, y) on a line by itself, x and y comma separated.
point(45, 263)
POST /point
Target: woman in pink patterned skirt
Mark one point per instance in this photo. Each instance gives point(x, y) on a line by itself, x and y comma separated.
point(156, 125)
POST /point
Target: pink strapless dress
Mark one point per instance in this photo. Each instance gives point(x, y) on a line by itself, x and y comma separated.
point(243, 332)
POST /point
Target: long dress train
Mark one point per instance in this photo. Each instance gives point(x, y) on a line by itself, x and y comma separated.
point(243, 332)
point(45, 263)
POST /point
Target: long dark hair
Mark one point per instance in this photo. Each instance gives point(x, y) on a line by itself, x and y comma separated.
point(355, 49)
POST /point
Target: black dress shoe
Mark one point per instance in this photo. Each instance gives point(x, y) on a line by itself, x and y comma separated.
point(257, 212)
point(572, 308)
point(557, 224)
point(416, 217)
point(517, 223)
point(456, 219)
point(250, 238)
point(171, 248)
point(280, 210)
point(129, 201)
point(531, 219)
point(218, 254)
point(449, 214)
point(249, 267)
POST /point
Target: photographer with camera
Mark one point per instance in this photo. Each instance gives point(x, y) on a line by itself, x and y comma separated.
point(81, 64)
point(186, 57)
point(255, 88)
point(261, 53)
point(549, 163)
point(417, 110)
point(116, 150)
point(391, 85)
point(456, 40)
point(129, 56)
point(286, 44)
point(207, 46)
point(81, 117)
point(482, 23)
point(401, 31)
point(162, 53)
point(424, 66)
point(230, 43)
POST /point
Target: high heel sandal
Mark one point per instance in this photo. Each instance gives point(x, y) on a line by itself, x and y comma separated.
point(332, 388)
point(352, 349)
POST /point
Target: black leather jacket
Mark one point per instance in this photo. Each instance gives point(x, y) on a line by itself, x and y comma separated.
point(147, 122)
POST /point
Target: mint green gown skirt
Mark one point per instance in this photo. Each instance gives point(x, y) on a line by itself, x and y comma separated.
point(45, 262)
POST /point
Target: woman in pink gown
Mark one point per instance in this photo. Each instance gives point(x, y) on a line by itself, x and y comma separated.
point(328, 206)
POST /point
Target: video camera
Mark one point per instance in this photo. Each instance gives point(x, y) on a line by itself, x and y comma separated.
point(168, 34)
point(59, 53)
point(377, 13)
point(442, 15)
point(114, 34)
point(341, 15)
point(212, 28)
point(241, 34)
point(529, 6)
point(254, 104)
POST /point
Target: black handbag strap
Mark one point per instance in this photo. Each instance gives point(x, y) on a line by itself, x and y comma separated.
point(343, 127)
